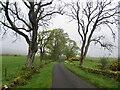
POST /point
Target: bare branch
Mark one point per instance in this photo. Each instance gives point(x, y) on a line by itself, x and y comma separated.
point(21, 18)
point(46, 4)
point(26, 4)
point(108, 46)
point(13, 27)
point(49, 14)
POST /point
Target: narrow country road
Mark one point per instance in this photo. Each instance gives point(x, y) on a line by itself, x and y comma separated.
point(63, 78)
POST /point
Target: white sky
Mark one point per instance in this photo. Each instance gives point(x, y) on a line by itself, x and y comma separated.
point(20, 46)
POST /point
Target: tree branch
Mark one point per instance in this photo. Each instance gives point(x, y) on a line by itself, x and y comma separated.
point(14, 28)
point(46, 4)
point(108, 46)
point(26, 4)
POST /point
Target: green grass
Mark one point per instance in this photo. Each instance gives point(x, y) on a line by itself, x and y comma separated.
point(95, 79)
point(42, 79)
point(12, 66)
point(94, 62)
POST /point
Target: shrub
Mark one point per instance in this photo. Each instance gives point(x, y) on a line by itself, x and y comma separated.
point(26, 75)
point(36, 69)
point(19, 81)
point(73, 59)
point(103, 62)
point(115, 66)
point(66, 62)
point(15, 55)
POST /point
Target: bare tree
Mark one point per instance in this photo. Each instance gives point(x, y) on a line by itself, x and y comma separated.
point(91, 16)
point(27, 20)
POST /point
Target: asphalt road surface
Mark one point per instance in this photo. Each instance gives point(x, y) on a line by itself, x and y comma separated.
point(63, 78)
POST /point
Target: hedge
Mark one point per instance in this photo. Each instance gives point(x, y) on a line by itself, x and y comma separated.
point(115, 66)
point(73, 59)
point(107, 73)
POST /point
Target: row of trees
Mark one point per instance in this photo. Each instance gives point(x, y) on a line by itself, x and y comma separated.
point(55, 44)
point(89, 16)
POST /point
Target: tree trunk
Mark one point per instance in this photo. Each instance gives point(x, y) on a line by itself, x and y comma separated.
point(84, 51)
point(81, 59)
point(41, 57)
point(31, 55)
point(82, 54)
point(30, 58)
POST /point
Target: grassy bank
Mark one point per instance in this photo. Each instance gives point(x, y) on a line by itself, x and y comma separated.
point(42, 79)
point(95, 79)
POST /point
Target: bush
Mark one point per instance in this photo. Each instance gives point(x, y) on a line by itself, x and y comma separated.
point(36, 69)
point(66, 62)
point(19, 81)
point(103, 62)
point(26, 75)
point(115, 66)
point(73, 59)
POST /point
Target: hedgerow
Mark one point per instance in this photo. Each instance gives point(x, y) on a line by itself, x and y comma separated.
point(115, 66)
point(107, 73)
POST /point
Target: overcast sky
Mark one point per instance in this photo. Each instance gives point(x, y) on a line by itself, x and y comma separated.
point(20, 46)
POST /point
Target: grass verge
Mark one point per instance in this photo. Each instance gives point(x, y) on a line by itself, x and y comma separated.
point(95, 79)
point(42, 79)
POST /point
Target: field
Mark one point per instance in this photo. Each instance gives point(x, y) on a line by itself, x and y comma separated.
point(98, 80)
point(12, 66)
point(93, 62)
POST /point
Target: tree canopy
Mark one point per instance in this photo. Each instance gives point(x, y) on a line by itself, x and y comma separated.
point(57, 43)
